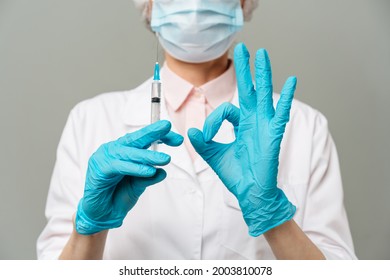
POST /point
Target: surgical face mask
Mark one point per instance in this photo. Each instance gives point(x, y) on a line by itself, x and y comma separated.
point(196, 30)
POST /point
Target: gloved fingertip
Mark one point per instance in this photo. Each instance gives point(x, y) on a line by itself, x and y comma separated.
point(240, 45)
point(195, 136)
point(161, 174)
point(196, 139)
point(164, 125)
point(146, 171)
point(262, 53)
point(194, 133)
point(165, 122)
point(290, 85)
point(293, 81)
point(165, 159)
point(173, 139)
point(179, 139)
point(240, 51)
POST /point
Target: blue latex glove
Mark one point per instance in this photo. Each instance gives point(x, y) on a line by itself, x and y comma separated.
point(249, 166)
point(118, 173)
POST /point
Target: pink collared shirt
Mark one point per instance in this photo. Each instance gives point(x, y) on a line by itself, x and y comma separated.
point(188, 106)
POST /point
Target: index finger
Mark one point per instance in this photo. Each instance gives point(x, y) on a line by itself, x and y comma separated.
point(144, 137)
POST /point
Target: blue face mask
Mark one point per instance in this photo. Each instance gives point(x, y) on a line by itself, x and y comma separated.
point(196, 30)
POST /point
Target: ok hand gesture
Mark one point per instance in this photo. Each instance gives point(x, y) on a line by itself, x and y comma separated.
point(249, 166)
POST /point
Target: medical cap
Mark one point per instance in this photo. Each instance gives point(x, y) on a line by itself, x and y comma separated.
point(249, 7)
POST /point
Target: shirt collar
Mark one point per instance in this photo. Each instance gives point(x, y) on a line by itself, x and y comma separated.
point(176, 90)
point(222, 88)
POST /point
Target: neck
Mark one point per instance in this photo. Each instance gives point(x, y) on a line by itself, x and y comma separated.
point(198, 73)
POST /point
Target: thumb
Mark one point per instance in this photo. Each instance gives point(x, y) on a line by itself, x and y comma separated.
point(140, 184)
point(130, 188)
point(197, 140)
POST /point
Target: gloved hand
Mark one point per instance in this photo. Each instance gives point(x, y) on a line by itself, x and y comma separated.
point(249, 166)
point(118, 173)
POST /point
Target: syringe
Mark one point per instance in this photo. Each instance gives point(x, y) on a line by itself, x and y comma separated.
point(156, 99)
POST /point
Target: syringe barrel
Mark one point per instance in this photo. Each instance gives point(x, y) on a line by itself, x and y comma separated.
point(155, 116)
point(156, 89)
point(155, 101)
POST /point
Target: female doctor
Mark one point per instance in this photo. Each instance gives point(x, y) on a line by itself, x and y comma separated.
point(233, 190)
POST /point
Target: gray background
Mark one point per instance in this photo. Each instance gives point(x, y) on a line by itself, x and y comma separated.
point(54, 54)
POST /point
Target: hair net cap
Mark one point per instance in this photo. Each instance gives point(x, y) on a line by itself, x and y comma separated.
point(249, 7)
point(142, 6)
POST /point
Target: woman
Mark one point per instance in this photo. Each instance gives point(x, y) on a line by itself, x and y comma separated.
point(211, 200)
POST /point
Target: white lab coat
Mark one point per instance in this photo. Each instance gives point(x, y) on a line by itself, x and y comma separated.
point(191, 214)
